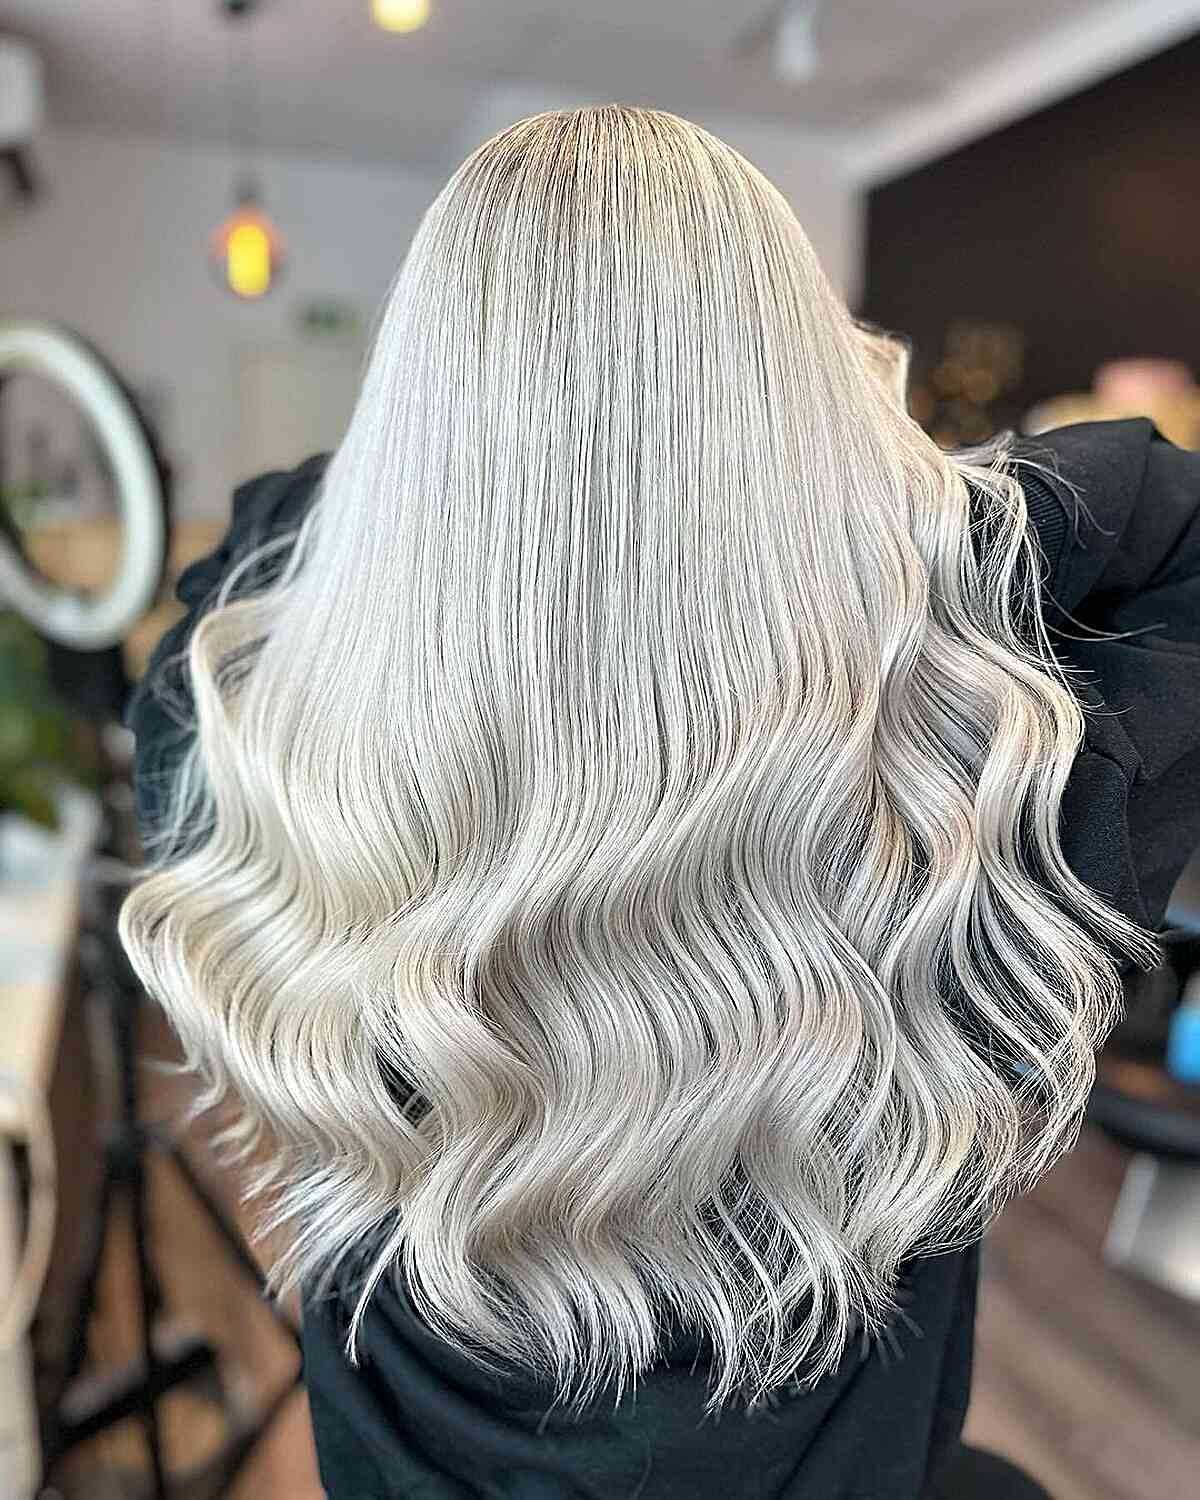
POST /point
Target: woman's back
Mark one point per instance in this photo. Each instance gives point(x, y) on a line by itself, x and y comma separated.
point(630, 887)
point(415, 1416)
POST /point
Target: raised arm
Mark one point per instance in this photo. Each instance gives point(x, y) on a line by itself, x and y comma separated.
point(1131, 563)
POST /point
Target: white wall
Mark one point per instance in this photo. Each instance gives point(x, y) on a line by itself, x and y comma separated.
point(117, 249)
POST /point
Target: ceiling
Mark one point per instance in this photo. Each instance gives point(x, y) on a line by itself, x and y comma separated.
point(330, 83)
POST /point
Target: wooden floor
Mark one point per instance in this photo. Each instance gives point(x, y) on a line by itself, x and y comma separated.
point(1089, 1377)
point(1086, 1376)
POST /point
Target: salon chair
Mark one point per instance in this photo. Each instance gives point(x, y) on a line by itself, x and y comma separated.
point(1137, 1103)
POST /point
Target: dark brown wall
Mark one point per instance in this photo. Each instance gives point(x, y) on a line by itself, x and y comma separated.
point(1079, 224)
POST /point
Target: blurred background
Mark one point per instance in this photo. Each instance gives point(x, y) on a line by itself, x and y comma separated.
point(202, 205)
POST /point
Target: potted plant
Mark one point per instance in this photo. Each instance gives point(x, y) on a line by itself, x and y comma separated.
point(42, 742)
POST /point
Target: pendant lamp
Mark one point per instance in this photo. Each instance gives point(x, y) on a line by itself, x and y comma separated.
point(245, 251)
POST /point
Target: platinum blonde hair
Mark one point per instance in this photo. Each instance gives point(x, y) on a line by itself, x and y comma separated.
point(616, 866)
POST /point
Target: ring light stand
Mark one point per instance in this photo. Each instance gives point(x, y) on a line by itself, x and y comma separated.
point(84, 636)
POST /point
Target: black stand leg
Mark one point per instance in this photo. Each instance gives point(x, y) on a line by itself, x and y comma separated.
point(79, 1409)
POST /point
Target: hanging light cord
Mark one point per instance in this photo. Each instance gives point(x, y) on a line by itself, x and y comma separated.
point(243, 99)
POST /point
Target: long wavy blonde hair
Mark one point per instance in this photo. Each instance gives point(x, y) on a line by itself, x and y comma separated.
point(617, 860)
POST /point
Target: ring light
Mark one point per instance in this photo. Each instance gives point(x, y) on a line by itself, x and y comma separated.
point(96, 621)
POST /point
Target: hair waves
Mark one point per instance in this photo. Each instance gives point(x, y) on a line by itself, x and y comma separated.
point(623, 873)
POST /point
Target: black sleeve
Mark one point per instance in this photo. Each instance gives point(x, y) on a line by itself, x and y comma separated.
point(159, 709)
point(1133, 564)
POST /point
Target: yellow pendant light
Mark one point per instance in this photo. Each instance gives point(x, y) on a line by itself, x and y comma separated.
point(400, 15)
point(246, 250)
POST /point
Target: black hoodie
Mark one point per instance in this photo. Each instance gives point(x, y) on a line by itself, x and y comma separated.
point(417, 1422)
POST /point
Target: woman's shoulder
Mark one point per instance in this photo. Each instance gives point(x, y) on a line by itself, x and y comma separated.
point(269, 502)
point(158, 708)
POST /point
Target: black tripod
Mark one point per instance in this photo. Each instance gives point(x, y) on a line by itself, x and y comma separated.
point(78, 1408)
